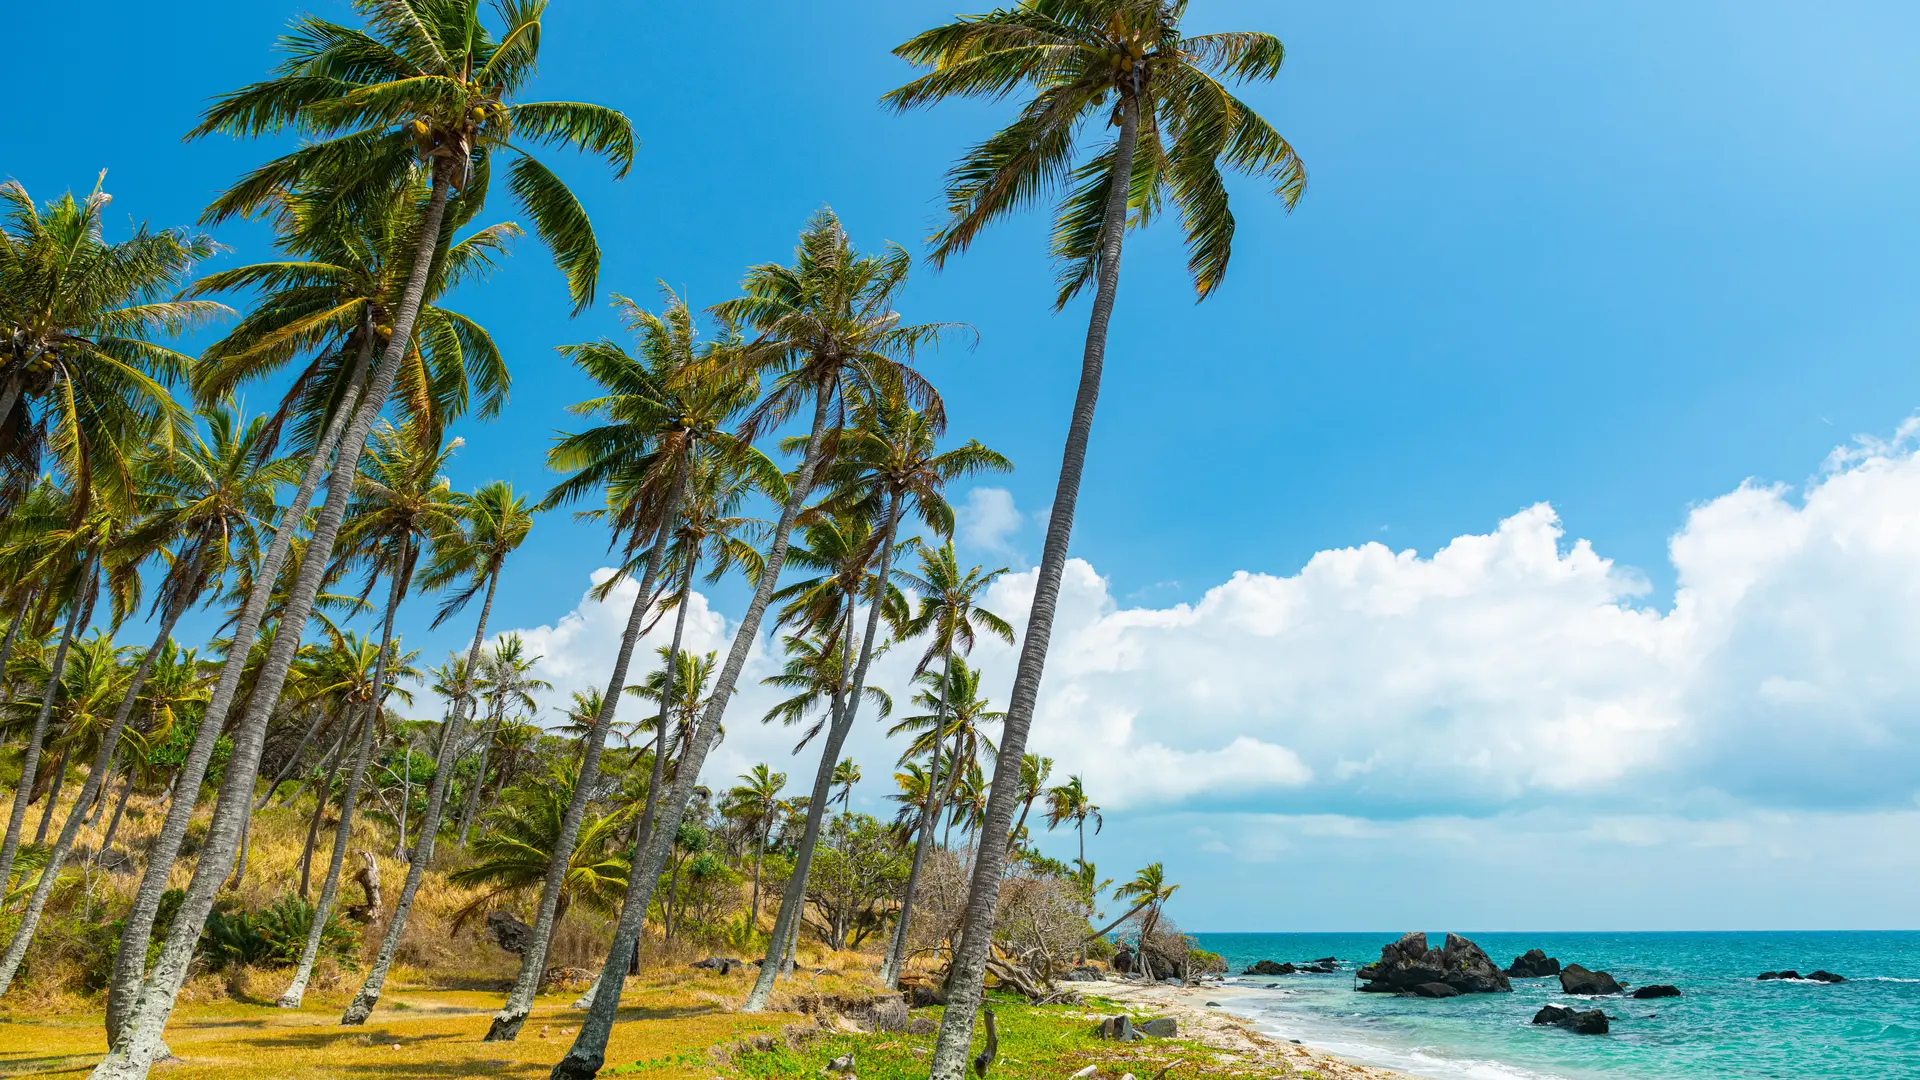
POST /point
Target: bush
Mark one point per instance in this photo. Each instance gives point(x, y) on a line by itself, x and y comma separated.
point(275, 934)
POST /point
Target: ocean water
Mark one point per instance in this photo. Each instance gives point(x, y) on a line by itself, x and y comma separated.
point(1728, 1026)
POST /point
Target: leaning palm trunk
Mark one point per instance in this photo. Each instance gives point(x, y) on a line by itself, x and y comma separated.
point(293, 759)
point(129, 960)
point(343, 834)
point(589, 1049)
point(787, 924)
point(533, 961)
point(19, 620)
point(23, 793)
point(97, 776)
point(896, 960)
point(470, 804)
point(139, 1042)
point(966, 979)
point(369, 994)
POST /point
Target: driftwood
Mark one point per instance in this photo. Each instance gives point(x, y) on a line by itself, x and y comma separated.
point(984, 1060)
point(1035, 987)
point(368, 878)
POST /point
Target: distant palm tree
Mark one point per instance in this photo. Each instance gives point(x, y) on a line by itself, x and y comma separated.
point(1034, 771)
point(1148, 888)
point(506, 683)
point(1068, 803)
point(1125, 63)
point(758, 795)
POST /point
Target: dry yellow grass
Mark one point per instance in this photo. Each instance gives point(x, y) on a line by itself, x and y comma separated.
point(667, 1025)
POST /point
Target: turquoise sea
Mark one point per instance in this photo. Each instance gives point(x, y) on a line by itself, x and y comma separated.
point(1727, 1026)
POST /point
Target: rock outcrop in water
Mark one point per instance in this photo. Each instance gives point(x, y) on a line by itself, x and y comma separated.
point(1575, 979)
point(1270, 967)
point(1657, 990)
point(1408, 965)
point(1815, 976)
point(1534, 965)
point(1590, 1022)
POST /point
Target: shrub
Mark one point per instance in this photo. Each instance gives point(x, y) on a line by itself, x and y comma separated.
point(274, 934)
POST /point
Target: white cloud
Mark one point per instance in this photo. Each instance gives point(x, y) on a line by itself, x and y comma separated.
point(987, 520)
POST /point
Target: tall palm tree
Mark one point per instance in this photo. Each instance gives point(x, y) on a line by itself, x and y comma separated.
point(404, 507)
point(1068, 803)
point(423, 83)
point(1148, 888)
point(1175, 124)
point(79, 371)
point(494, 522)
point(816, 325)
point(951, 615)
point(506, 681)
point(758, 796)
point(207, 504)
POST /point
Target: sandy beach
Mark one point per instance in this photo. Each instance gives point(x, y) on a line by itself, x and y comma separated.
point(1233, 1037)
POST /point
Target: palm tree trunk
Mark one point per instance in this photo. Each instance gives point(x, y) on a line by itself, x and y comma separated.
point(966, 986)
point(97, 776)
point(657, 775)
point(795, 899)
point(139, 1041)
point(19, 620)
point(343, 835)
point(369, 995)
point(293, 759)
point(119, 807)
point(58, 780)
point(30, 762)
point(896, 959)
point(322, 792)
point(533, 961)
point(588, 1052)
point(470, 802)
point(130, 958)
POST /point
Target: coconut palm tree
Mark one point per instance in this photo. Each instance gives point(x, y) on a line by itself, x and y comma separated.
point(206, 507)
point(423, 83)
point(1174, 123)
point(1068, 803)
point(507, 683)
point(758, 797)
point(79, 372)
point(664, 411)
point(403, 508)
point(951, 616)
point(1148, 889)
point(817, 325)
point(493, 523)
point(1034, 771)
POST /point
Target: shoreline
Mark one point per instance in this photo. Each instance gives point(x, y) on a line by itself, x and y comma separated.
point(1230, 1033)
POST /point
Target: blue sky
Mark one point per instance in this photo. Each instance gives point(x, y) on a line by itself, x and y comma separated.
point(1616, 258)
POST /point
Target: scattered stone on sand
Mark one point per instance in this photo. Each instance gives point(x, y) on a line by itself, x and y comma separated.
point(1160, 1027)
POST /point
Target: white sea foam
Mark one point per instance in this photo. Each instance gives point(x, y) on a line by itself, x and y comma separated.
point(1418, 1061)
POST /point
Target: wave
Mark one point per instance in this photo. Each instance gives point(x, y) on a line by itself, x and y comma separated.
point(1885, 978)
point(1416, 1061)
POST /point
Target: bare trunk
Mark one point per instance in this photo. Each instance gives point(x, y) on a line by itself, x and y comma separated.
point(343, 836)
point(793, 904)
point(58, 780)
point(119, 807)
point(533, 962)
point(588, 1052)
point(129, 960)
point(30, 762)
point(896, 960)
point(293, 759)
point(966, 986)
point(19, 620)
point(138, 1042)
point(470, 804)
point(369, 995)
point(97, 776)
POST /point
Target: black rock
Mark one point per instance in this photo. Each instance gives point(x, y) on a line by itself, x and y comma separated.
point(1589, 1022)
point(1826, 977)
point(1213, 1004)
point(1270, 967)
point(1787, 974)
point(1534, 965)
point(1435, 990)
point(1273, 986)
point(1657, 990)
point(1575, 979)
point(1334, 960)
point(1408, 963)
point(1117, 1029)
point(1084, 973)
point(722, 964)
point(1319, 967)
point(508, 932)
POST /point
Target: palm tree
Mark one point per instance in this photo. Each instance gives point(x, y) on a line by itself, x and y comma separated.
point(505, 681)
point(758, 796)
point(78, 372)
point(1068, 802)
point(208, 501)
point(826, 320)
point(1148, 889)
point(425, 83)
point(1034, 771)
point(404, 505)
point(950, 612)
point(661, 412)
point(1125, 62)
point(494, 522)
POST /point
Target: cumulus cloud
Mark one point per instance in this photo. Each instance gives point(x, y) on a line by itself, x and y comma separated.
point(1513, 682)
point(987, 520)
